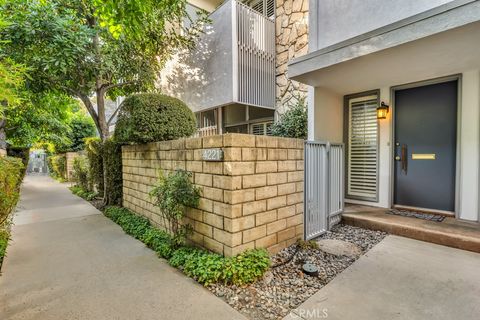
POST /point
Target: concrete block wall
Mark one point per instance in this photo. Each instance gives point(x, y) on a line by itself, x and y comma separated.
point(251, 199)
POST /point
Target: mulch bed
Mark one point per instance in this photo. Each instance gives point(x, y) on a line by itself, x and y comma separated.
point(285, 287)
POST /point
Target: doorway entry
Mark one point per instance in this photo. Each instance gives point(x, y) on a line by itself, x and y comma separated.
point(425, 144)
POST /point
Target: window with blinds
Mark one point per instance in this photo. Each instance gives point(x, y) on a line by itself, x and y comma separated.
point(265, 7)
point(362, 159)
point(261, 129)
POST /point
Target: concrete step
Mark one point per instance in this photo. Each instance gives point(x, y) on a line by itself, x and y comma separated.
point(451, 232)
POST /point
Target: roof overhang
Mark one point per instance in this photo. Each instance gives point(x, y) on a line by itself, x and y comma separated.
point(439, 42)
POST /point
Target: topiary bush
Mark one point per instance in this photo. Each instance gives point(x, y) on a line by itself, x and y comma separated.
point(112, 162)
point(93, 148)
point(293, 123)
point(150, 117)
point(11, 174)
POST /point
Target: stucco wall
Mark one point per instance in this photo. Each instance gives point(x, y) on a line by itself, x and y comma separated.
point(338, 20)
point(251, 199)
point(326, 124)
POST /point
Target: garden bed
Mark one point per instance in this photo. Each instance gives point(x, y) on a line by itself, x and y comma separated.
point(285, 287)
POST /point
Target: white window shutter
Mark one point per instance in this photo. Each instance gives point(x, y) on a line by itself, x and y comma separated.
point(362, 149)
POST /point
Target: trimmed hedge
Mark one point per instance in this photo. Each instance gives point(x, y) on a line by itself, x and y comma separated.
point(81, 172)
point(58, 165)
point(93, 147)
point(112, 161)
point(202, 265)
point(22, 153)
point(150, 117)
point(11, 174)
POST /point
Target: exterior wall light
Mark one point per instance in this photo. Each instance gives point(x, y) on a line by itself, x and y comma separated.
point(382, 111)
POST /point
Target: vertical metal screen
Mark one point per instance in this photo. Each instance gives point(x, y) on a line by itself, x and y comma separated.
point(323, 190)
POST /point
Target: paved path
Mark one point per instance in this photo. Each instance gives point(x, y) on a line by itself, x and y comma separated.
point(401, 278)
point(67, 261)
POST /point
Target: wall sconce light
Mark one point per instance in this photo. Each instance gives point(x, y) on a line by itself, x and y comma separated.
point(382, 111)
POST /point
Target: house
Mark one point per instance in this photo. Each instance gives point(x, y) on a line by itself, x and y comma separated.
point(398, 82)
point(234, 80)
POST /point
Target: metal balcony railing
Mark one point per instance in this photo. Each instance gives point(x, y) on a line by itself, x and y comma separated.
point(233, 62)
point(255, 38)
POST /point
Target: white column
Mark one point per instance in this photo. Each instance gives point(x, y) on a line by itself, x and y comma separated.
point(469, 146)
point(325, 115)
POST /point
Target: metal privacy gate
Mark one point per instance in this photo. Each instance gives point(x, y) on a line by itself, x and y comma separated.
point(324, 186)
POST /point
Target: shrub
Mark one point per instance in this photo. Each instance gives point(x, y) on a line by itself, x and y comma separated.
point(22, 153)
point(293, 123)
point(82, 193)
point(112, 162)
point(153, 117)
point(80, 172)
point(202, 265)
point(173, 194)
point(93, 148)
point(58, 165)
point(11, 174)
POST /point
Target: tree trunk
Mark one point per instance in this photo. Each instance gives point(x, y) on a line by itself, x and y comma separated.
point(102, 119)
point(3, 138)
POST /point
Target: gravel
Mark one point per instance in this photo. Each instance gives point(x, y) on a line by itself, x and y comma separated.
point(285, 287)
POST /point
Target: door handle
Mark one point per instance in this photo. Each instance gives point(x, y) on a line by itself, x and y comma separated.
point(404, 158)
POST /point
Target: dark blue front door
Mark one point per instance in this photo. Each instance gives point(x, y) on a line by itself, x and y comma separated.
point(425, 146)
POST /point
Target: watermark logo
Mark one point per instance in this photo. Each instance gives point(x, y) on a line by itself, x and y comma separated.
point(316, 313)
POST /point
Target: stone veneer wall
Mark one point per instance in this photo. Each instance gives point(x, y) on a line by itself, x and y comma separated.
point(251, 199)
point(291, 29)
point(69, 158)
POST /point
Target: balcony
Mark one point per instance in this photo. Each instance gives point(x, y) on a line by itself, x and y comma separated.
point(233, 62)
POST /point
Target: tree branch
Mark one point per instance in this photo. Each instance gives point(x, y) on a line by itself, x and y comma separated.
point(117, 85)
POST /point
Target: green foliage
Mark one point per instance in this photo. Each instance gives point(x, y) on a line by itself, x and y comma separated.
point(104, 48)
point(153, 117)
point(40, 118)
point(173, 194)
point(4, 237)
point(112, 162)
point(159, 241)
point(12, 79)
point(93, 148)
point(11, 174)
point(10, 177)
point(22, 153)
point(80, 172)
point(202, 265)
point(58, 167)
point(81, 126)
point(293, 123)
point(82, 193)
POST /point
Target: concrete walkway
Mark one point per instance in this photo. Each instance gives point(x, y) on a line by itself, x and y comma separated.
point(401, 278)
point(67, 261)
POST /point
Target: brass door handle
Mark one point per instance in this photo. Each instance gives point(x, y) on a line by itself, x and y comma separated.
point(404, 158)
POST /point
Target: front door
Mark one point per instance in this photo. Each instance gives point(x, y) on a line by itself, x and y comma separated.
point(425, 146)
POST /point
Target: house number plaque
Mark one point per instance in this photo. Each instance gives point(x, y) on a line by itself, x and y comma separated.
point(212, 154)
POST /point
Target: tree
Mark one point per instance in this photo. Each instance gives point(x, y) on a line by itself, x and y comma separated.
point(96, 47)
